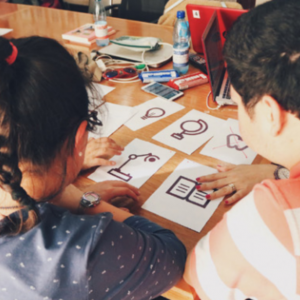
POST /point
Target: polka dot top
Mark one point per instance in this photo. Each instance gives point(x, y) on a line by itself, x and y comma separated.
point(77, 257)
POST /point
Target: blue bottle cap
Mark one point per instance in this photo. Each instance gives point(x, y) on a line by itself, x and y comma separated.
point(181, 14)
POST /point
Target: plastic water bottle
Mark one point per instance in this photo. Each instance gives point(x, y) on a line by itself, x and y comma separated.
point(181, 44)
point(100, 24)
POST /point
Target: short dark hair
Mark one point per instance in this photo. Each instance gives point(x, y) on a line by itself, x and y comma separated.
point(43, 100)
point(262, 51)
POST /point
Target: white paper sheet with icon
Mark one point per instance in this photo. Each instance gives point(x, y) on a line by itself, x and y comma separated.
point(190, 132)
point(227, 145)
point(112, 117)
point(152, 111)
point(138, 162)
point(4, 31)
point(178, 200)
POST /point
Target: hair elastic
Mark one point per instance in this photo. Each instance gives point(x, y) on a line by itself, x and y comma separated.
point(12, 58)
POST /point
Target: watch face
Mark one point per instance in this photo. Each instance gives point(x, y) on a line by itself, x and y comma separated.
point(283, 173)
point(90, 199)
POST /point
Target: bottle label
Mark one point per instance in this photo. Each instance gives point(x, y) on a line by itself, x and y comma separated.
point(101, 30)
point(181, 56)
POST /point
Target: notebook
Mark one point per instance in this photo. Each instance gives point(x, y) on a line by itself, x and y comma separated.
point(218, 77)
point(199, 16)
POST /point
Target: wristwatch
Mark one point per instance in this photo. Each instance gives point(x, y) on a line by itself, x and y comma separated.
point(281, 173)
point(88, 200)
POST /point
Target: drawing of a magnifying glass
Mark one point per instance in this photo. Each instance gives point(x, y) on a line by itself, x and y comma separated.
point(191, 127)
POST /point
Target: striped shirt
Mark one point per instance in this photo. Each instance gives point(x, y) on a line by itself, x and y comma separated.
point(254, 252)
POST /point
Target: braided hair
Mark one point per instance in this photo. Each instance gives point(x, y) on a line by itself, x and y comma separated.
point(43, 100)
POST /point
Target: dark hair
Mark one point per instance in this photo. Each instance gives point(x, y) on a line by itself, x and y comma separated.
point(262, 51)
point(43, 100)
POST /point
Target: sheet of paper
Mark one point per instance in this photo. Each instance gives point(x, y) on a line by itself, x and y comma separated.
point(96, 94)
point(190, 132)
point(138, 162)
point(228, 145)
point(178, 200)
point(4, 31)
point(152, 111)
point(100, 91)
point(112, 116)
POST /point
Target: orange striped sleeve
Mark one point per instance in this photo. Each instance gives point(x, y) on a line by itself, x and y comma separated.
point(243, 258)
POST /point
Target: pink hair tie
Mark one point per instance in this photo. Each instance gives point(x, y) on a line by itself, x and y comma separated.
point(12, 58)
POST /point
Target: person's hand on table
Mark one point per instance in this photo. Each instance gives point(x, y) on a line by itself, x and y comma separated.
point(236, 181)
point(99, 151)
point(113, 188)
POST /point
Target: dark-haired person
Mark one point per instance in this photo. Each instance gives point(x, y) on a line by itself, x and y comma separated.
point(254, 252)
point(46, 252)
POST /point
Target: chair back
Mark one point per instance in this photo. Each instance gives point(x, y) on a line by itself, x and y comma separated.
point(142, 10)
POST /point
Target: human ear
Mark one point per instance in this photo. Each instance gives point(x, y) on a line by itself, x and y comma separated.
point(81, 138)
point(274, 115)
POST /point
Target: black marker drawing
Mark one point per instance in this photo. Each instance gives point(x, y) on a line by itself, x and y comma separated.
point(234, 141)
point(154, 112)
point(201, 126)
point(126, 177)
point(185, 189)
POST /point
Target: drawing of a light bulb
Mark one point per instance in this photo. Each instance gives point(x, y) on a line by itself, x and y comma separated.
point(191, 127)
point(126, 177)
point(154, 112)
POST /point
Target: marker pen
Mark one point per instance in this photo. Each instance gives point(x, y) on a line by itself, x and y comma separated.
point(158, 76)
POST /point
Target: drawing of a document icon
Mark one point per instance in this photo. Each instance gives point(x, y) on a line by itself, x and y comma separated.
point(185, 189)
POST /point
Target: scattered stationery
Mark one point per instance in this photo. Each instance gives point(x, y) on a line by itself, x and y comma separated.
point(190, 132)
point(227, 145)
point(152, 111)
point(178, 200)
point(138, 162)
point(84, 34)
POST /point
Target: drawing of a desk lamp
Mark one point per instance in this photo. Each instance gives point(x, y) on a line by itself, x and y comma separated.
point(191, 127)
point(126, 177)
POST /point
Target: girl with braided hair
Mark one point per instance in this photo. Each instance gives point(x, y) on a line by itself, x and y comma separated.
point(46, 251)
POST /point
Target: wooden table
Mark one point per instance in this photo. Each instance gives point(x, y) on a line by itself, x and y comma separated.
point(31, 20)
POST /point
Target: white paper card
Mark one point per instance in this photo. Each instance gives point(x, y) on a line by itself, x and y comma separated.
point(4, 31)
point(227, 145)
point(100, 91)
point(178, 200)
point(138, 162)
point(190, 132)
point(112, 117)
point(152, 111)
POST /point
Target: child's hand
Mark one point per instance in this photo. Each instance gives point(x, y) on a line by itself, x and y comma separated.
point(111, 189)
point(99, 151)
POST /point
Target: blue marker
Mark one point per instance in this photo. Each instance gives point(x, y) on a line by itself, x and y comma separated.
point(158, 76)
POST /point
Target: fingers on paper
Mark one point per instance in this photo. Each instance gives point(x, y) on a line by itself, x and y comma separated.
point(220, 193)
point(213, 184)
point(211, 177)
